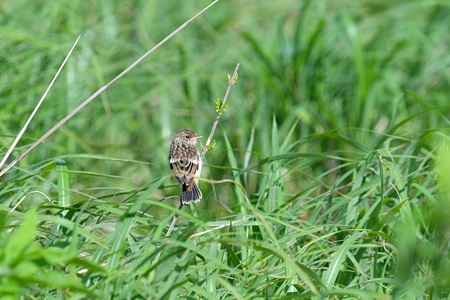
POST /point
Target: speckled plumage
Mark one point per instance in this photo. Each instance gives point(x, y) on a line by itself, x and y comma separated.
point(184, 160)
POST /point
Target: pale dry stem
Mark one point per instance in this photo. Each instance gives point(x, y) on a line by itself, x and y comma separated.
point(22, 131)
point(102, 89)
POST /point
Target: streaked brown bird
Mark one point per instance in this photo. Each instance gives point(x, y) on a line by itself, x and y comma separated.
point(184, 160)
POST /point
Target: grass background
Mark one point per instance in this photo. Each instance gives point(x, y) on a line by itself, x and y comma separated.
point(329, 178)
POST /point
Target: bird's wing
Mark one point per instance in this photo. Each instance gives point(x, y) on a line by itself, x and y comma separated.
point(184, 170)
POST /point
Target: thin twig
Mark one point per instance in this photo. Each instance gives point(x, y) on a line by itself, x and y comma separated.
point(22, 131)
point(102, 89)
point(208, 141)
point(219, 112)
point(175, 219)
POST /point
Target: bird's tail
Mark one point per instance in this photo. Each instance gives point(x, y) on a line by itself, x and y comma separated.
point(191, 193)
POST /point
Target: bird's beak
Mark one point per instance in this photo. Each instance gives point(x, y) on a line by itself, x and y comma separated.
point(196, 137)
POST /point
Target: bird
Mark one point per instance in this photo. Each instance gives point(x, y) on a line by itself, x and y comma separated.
point(185, 163)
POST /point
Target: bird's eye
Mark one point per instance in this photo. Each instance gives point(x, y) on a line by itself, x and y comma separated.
point(186, 136)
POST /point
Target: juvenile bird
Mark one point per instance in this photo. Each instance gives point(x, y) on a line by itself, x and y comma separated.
point(184, 160)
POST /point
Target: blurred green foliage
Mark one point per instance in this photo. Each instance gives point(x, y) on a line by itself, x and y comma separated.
point(322, 182)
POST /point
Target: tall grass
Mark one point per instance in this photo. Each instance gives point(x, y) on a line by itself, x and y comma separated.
point(329, 178)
